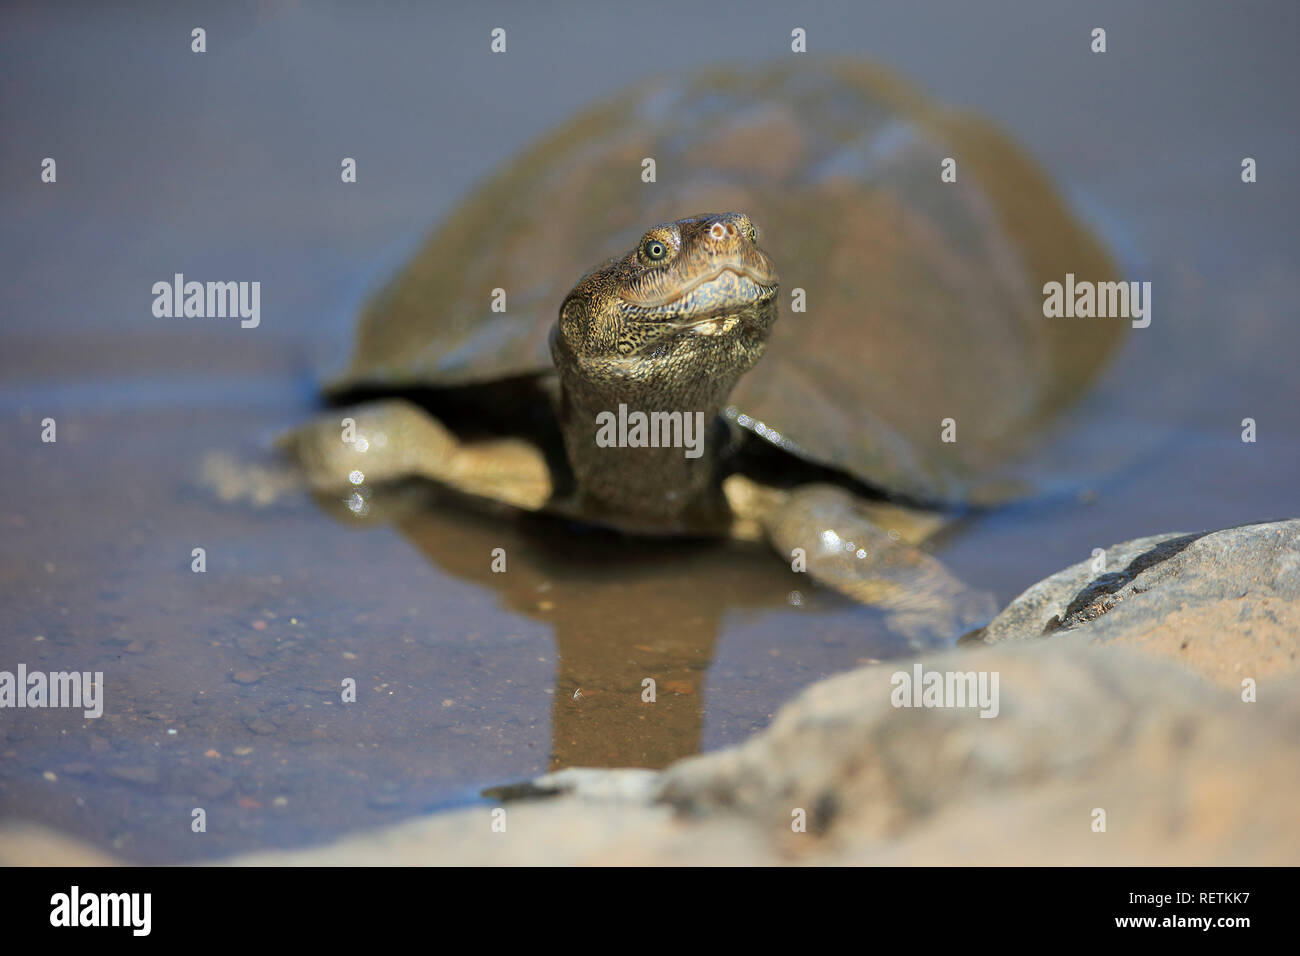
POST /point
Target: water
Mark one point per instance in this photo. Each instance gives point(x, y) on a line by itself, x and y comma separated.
point(223, 688)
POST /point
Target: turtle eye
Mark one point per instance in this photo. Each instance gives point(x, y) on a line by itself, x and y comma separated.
point(655, 250)
point(751, 234)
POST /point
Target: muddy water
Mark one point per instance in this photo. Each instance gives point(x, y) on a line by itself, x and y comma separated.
point(222, 688)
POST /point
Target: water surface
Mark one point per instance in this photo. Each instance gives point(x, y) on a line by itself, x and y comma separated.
point(223, 687)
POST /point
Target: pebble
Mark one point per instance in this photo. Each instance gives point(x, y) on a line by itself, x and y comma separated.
point(135, 774)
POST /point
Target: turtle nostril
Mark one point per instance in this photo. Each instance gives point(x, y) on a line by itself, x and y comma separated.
point(731, 228)
point(717, 231)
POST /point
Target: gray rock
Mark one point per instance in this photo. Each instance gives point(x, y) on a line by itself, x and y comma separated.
point(626, 785)
point(1226, 603)
point(1077, 729)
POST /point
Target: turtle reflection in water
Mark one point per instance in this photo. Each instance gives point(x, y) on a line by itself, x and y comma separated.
point(916, 302)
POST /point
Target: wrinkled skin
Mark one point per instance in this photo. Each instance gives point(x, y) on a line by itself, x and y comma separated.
point(668, 327)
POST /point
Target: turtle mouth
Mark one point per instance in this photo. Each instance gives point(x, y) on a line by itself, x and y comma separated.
point(709, 303)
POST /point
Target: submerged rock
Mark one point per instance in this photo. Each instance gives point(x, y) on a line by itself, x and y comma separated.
point(1225, 603)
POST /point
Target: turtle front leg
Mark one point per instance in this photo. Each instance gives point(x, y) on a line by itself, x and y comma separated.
point(386, 441)
point(866, 551)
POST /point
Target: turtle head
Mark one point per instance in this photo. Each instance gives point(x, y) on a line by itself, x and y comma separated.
point(693, 302)
point(663, 331)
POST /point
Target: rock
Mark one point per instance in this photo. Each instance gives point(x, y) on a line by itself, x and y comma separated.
point(629, 785)
point(1225, 603)
point(567, 831)
point(34, 845)
point(146, 776)
point(212, 785)
point(1108, 720)
point(1171, 760)
point(1184, 773)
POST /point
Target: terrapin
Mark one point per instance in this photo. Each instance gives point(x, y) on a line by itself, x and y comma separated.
point(912, 317)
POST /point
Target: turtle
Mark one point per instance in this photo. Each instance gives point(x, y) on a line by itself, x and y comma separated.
point(680, 386)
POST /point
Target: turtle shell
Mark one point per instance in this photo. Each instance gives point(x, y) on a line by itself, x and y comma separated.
point(922, 299)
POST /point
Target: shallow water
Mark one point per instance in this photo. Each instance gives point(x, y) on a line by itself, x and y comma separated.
point(222, 688)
